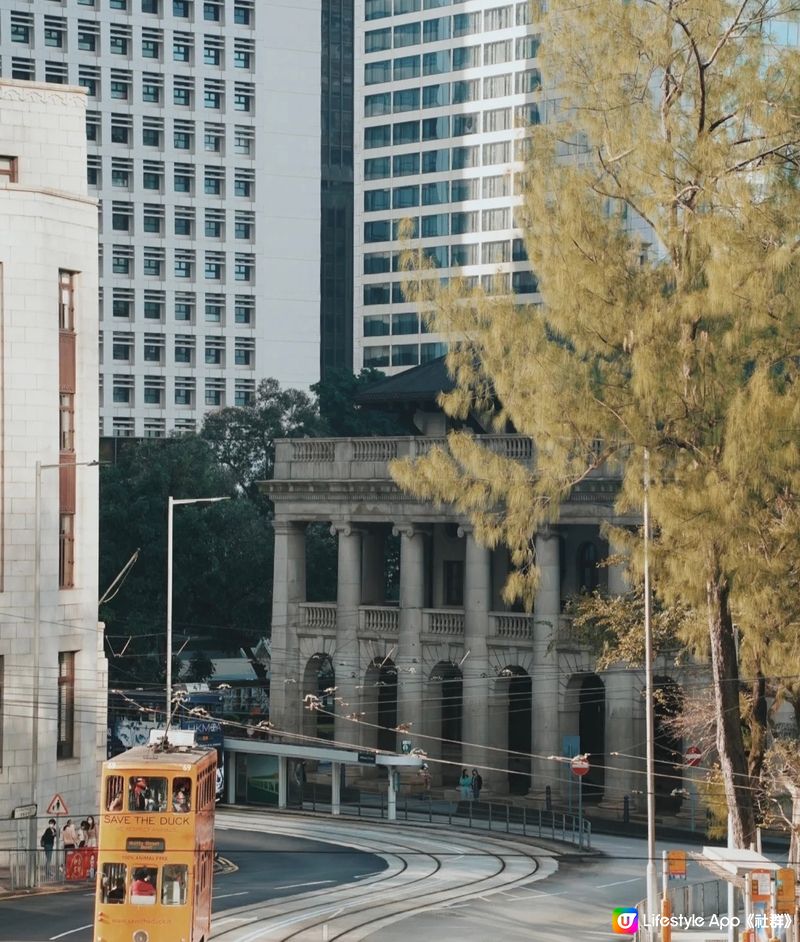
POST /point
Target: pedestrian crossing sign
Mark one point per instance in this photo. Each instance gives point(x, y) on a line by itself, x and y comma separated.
point(57, 806)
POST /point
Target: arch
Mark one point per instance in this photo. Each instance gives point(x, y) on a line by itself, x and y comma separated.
point(444, 706)
point(668, 743)
point(318, 677)
point(379, 704)
point(514, 693)
point(585, 718)
point(586, 562)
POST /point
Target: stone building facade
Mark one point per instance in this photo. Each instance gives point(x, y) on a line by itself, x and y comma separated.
point(49, 409)
point(478, 684)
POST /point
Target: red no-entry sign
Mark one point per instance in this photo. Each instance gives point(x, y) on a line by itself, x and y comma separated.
point(693, 756)
point(580, 765)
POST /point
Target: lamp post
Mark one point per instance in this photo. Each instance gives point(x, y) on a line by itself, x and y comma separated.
point(652, 889)
point(37, 626)
point(171, 504)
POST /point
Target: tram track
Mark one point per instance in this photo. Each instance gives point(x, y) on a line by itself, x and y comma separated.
point(427, 868)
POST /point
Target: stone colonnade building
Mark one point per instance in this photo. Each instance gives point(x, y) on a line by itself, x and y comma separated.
point(477, 683)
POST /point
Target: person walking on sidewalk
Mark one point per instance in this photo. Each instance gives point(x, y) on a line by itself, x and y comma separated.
point(48, 842)
point(465, 784)
point(477, 784)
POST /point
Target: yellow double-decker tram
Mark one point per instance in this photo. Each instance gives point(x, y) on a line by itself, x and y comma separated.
point(156, 853)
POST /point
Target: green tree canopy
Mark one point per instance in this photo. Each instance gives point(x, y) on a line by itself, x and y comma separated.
point(660, 207)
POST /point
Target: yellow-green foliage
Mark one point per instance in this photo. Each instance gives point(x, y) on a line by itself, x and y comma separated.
point(681, 335)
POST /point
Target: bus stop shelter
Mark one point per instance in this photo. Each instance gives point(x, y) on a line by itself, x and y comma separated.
point(338, 759)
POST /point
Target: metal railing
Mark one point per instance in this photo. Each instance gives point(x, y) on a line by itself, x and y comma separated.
point(502, 817)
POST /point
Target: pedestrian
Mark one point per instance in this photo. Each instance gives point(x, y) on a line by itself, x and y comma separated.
point(425, 772)
point(477, 784)
point(91, 832)
point(465, 784)
point(48, 841)
point(69, 835)
point(82, 834)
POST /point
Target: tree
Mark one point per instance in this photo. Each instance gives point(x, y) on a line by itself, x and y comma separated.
point(342, 416)
point(661, 205)
point(243, 437)
point(222, 556)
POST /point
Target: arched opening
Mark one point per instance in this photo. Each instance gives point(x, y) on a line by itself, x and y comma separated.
point(588, 573)
point(592, 732)
point(446, 709)
point(379, 703)
point(668, 744)
point(514, 684)
point(319, 679)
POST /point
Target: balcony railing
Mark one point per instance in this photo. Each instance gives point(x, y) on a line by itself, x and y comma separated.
point(318, 616)
point(511, 626)
point(368, 458)
point(378, 619)
point(446, 622)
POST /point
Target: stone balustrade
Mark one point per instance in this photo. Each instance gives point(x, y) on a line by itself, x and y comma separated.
point(446, 622)
point(343, 459)
point(317, 616)
point(378, 619)
point(511, 627)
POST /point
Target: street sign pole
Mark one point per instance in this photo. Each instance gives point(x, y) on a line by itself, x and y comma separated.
point(580, 812)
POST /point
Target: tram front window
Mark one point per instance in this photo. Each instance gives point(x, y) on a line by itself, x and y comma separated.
point(147, 794)
point(173, 885)
point(143, 886)
point(112, 883)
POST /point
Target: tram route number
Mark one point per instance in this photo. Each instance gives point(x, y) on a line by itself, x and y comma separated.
point(148, 820)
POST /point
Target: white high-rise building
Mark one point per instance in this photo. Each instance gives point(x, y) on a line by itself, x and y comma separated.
point(444, 92)
point(51, 653)
point(203, 130)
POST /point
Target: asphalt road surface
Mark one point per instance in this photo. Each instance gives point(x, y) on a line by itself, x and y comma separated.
point(270, 866)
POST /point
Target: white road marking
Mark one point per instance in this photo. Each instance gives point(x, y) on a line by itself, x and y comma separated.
point(605, 886)
point(360, 876)
point(294, 886)
point(71, 932)
point(226, 895)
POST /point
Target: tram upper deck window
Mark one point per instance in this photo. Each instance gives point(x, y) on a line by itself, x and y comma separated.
point(181, 794)
point(115, 788)
point(147, 794)
point(143, 886)
point(174, 881)
point(112, 883)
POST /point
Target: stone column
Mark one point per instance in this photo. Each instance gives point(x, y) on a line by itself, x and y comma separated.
point(546, 737)
point(410, 674)
point(346, 661)
point(621, 780)
point(475, 670)
point(618, 583)
point(289, 590)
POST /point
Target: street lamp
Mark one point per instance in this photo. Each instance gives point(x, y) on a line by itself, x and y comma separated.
point(652, 890)
point(37, 624)
point(171, 504)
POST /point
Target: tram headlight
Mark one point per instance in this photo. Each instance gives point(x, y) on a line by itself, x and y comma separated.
point(141, 936)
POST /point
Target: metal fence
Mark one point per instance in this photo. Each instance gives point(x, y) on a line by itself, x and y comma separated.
point(502, 817)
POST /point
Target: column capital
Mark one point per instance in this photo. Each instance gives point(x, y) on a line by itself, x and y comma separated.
point(344, 528)
point(285, 527)
point(464, 529)
point(547, 532)
point(409, 530)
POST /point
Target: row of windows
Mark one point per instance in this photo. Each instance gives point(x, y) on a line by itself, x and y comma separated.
point(185, 135)
point(441, 224)
point(153, 264)
point(120, 42)
point(439, 161)
point(406, 354)
point(459, 125)
point(215, 98)
point(375, 9)
point(443, 191)
point(122, 351)
point(452, 93)
point(184, 222)
point(440, 28)
point(447, 60)
point(453, 256)
point(152, 305)
point(154, 393)
point(518, 282)
point(212, 11)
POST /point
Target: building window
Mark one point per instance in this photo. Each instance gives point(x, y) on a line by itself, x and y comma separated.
point(8, 168)
point(180, 8)
point(65, 746)
point(453, 582)
point(67, 421)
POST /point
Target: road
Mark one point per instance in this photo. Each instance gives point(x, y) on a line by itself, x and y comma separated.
point(271, 866)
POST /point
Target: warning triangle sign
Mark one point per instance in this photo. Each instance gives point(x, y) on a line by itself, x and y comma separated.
point(57, 806)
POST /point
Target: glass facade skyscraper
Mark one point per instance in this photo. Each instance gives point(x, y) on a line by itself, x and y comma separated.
point(444, 94)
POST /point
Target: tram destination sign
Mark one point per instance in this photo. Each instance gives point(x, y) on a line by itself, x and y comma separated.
point(367, 758)
point(145, 845)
